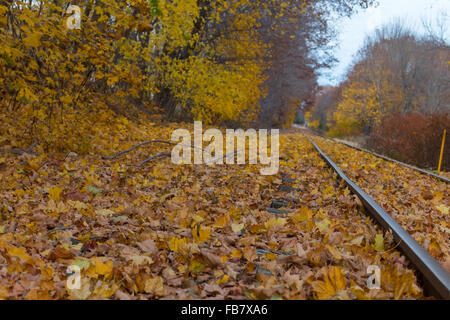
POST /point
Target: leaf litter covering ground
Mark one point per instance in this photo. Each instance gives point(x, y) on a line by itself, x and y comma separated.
point(189, 232)
point(419, 203)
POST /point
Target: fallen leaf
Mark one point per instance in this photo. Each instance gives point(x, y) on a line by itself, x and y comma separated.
point(379, 242)
point(54, 193)
point(334, 281)
point(443, 209)
point(155, 286)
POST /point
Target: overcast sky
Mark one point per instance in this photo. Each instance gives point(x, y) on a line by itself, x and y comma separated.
point(354, 30)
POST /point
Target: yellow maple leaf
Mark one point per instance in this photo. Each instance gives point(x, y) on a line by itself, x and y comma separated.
point(105, 291)
point(54, 193)
point(222, 221)
point(201, 234)
point(99, 267)
point(434, 248)
point(223, 280)
point(443, 209)
point(271, 256)
point(304, 215)
point(359, 292)
point(329, 191)
point(47, 272)
point(20, 252)
point(77, 204)
point(33, 40)
point(333, 283)
point(236, 254)
point(175, 244)
point(272, 222)
point(336, 254)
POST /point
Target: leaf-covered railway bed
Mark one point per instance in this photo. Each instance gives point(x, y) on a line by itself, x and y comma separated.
point(419, 203)
point(435, 278)
point(190, 232)
point(443, 176)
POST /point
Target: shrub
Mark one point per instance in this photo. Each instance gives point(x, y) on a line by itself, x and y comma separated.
point(345, 128)
point(413, 138)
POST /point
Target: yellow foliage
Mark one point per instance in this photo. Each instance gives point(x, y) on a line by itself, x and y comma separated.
point(333, 283)
point(365, 103)
point(64, 86)
point(54, 193)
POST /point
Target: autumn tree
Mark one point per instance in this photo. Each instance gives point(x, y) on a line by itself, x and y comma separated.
point(300, 40)
point(190, 59)
point(325, 104)
point(397, 71)
point(60, 80)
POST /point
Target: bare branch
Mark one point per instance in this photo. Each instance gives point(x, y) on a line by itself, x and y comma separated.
point(137, 146)
point(156, 156)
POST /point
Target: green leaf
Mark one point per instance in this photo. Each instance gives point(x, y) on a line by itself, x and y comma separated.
point(94, 190)
point(83, 264)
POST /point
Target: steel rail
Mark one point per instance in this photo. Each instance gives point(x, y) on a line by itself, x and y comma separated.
point(426, 172)
point(435, 278)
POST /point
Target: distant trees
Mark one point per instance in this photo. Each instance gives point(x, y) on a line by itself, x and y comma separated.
point(396, 71)
point(325, 103)
point(299, 47)
point(397, 95)
point(291, 77)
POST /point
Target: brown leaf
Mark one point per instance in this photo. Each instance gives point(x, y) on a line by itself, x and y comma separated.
point(147, 246)
point(427, 195)
point(211, 259)
point(60, 253)
point(122, 296)
point(250, 253)
point(212, 288)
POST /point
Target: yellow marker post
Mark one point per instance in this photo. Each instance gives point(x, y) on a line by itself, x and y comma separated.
point(442, 151)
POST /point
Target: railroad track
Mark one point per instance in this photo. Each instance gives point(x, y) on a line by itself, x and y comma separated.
point(426, 172)
point(436, 280)
point(423, 171)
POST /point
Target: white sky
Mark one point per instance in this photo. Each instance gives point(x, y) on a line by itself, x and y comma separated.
point(354, 30)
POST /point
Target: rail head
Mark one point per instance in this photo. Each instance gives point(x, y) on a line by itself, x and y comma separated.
point(436, 278)
point(425, 172)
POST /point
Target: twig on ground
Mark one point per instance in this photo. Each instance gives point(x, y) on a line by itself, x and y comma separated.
point(20, 151)
point(278, 211)
point(158, 155)
point(215, 160)
point(57, 229)
point(135, 147)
